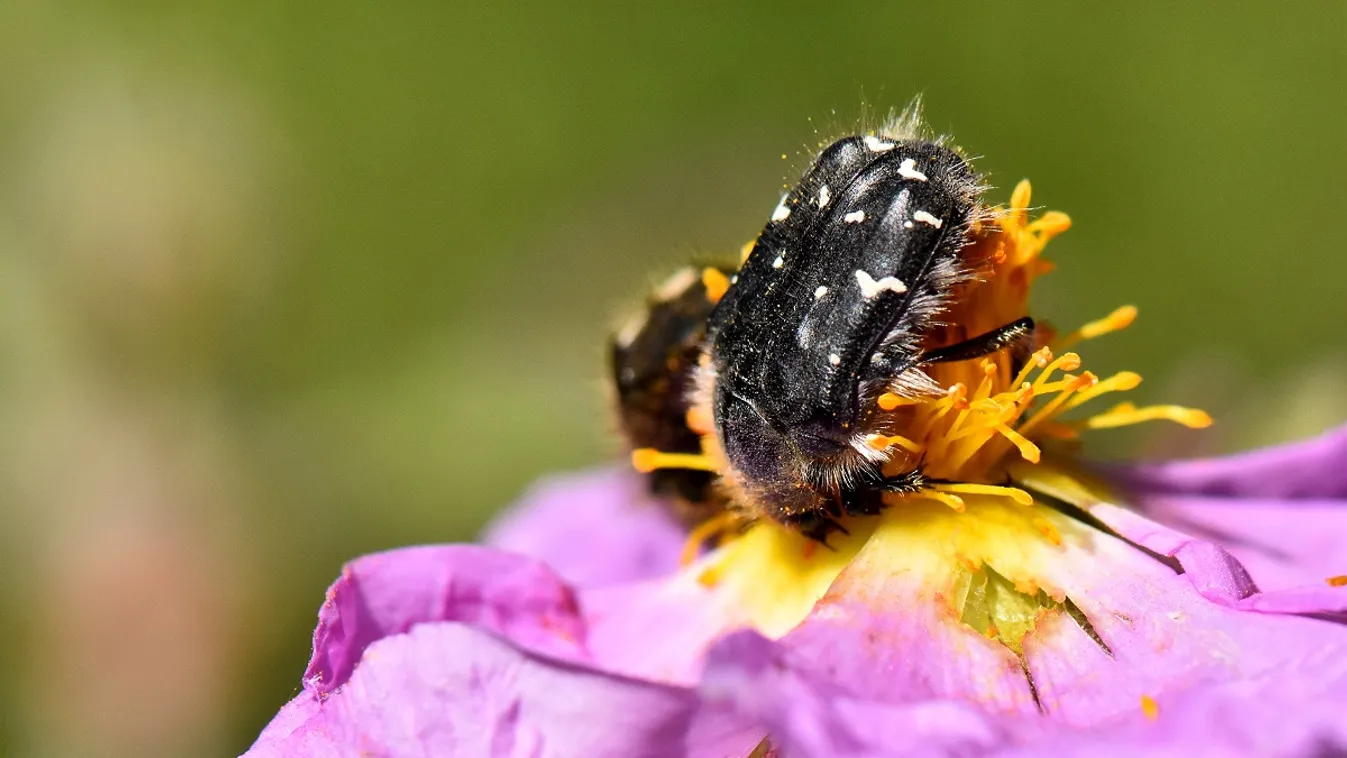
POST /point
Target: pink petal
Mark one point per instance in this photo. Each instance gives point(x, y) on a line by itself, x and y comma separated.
point(1165, 632)
point(450, 690)
point(807, 716)
point(1310, 469)
point(889, 635)
point(1281, 543)
point(593, 528)
point(388, 593)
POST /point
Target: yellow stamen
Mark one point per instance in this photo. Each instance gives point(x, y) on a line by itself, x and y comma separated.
point(1064, 362)
point(1149, 708)
point(746, 250)
point(1069, 388)
point(953, 502)
point(1127, 414)
point(1049, 225)
point(1018, 495)
point(645, 460)
point(1119, 382)
point(703, 532)
point(1028, 450)
point(716, 283)
point(880, 442)
point(888, 401)
point(1337, 581)
point(1117, 320)
point(1019, 198)
point(1041, 358)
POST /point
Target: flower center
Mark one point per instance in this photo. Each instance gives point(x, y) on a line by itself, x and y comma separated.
point(967, 535)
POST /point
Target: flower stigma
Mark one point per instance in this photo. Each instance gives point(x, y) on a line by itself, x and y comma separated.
point(973, 540)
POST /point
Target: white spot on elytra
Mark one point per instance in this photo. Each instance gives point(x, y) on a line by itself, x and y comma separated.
point(782, 212)
point(734, 279)
point(820, 292)
point(877, 358)
point(878, 145)
point(779, 262)
point(855, 217)
point(823, 196)
point(835, 359)
point(927, 218)
point(908, 224)
point(870, 288)
point(908, 170)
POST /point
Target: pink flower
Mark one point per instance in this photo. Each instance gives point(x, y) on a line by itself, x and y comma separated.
point(1015, 607)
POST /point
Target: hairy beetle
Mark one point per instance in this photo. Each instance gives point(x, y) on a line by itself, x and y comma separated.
point(832, 308)
point(651, 360)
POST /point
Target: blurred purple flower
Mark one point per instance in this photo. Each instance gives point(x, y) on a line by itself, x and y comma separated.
point(576, 634)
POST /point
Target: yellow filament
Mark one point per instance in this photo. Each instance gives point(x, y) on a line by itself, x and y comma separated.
point(954, 502)
point(1065, 362)
point(889, 401)
point(1127, 414)
point(1051, 409)
point(704, 531)
point(645, 460)
point(1039, 359)
point(1028, 450)
point(1119, 382)
point(880, 442)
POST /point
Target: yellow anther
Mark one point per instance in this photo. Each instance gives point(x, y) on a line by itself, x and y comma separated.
point(698, 419)
point(1040, 358)
point(716, 283)
point(1049, 225)
point(645, 460)
point(1064, 362)
point(1337, 581)
point(746, 250)
point(1018, 495)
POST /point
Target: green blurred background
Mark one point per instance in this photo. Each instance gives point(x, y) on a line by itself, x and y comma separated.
point(283, 283)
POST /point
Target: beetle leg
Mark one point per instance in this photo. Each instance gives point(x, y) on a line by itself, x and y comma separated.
point(815, 526)
point(1014, 333)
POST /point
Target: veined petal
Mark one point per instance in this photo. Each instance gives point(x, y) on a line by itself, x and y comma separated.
point(1310, 469)
point(1282, 543)
point(810, 716)
point(1152, 631)
point(593, 528)
point(447, 689)
point(388, 593)
point(1292, 711)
